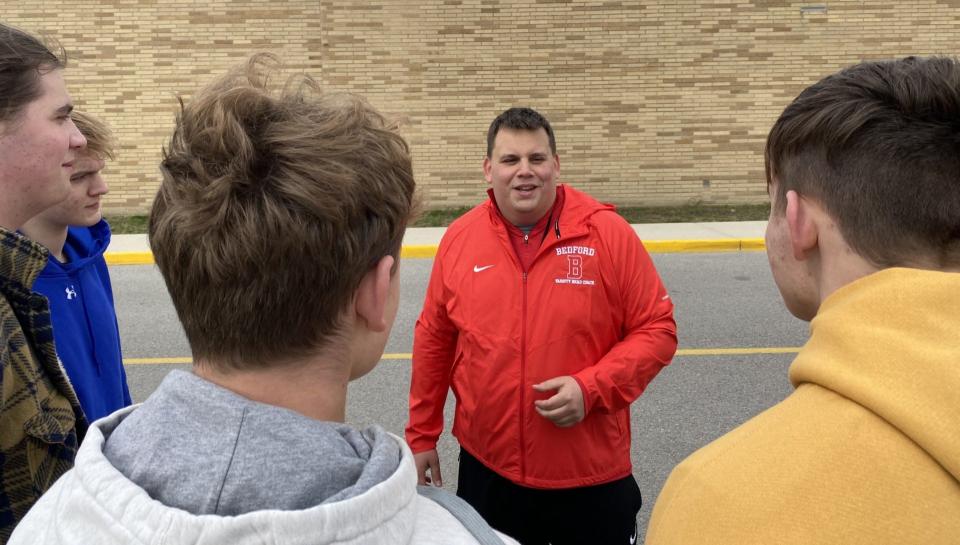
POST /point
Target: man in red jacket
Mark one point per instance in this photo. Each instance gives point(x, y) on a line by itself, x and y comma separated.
point(546, 317)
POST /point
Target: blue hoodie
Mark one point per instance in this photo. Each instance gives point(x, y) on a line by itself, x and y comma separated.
point(85, 322)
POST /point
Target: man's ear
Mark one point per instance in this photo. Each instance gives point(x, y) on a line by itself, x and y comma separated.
point(487, 167)
point(372, 295)
point(804, 235)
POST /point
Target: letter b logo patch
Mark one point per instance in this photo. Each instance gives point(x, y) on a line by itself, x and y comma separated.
point(574, 266)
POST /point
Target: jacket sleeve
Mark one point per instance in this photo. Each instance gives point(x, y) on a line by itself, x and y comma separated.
point(648, 333)
point(434, 346)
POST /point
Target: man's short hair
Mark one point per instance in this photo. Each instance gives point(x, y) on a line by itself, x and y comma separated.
point(23, 59)
point(526, 119)
point(98, 135)
point(878, 145)
point(274, 204)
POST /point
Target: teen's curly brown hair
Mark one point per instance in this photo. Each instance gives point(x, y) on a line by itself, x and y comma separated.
point(273, 205)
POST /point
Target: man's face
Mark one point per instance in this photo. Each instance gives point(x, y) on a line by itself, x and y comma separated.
point(38, 149)
point(793, 277)
point(82, 205)
point(523, 173)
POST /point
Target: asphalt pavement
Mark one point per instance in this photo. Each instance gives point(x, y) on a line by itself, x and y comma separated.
point(736, 342)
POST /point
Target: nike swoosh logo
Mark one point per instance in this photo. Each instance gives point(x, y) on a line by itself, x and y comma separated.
point(481, 269)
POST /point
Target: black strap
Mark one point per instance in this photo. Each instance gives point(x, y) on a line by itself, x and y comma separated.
point(462, 511)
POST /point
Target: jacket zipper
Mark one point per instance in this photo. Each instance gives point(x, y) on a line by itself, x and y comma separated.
point(523, 378)
point(523, 354)
point(523, 370)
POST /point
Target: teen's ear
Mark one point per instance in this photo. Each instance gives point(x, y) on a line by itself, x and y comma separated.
point(801, 222)
point(372, 295)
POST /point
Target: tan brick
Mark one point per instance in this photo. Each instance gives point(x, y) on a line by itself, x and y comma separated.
point(648, 97)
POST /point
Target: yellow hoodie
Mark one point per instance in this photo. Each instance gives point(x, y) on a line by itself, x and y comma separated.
point(867, 448)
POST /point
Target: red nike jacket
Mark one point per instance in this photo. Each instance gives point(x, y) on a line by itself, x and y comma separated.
point(591, 306)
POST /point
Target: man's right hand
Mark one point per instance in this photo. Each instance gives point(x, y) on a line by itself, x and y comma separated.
point(428, 459)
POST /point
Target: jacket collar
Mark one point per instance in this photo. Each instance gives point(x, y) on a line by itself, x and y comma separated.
point(552, 216)
point(576, 208)
point(21, 261)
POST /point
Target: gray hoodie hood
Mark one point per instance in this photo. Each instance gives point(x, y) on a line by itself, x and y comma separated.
point(97, 503)
point(204, 449)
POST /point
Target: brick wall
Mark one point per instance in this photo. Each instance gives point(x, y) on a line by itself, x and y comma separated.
point(653, 102)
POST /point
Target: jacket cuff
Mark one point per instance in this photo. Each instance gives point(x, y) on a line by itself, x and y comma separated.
point(587, 401)
point(421, 445)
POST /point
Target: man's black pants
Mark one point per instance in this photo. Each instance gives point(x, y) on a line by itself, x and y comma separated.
point(591, 515)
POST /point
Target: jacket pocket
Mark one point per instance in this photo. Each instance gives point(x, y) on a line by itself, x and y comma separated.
point(50, 444)
point(46, 428)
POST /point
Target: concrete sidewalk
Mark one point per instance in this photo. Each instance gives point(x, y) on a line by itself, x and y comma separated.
point(421, 242)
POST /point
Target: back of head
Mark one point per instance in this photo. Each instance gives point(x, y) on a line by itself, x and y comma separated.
point(98, 134)
point(23, 58)
point(274, 204)
point(878, 145)
point(524, 119)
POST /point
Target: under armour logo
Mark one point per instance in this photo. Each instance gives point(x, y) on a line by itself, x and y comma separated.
point(71, 293)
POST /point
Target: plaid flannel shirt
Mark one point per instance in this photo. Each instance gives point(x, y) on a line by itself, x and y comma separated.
point(41, 423)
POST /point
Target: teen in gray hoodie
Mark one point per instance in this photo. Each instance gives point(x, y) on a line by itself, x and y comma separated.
point(277, 229)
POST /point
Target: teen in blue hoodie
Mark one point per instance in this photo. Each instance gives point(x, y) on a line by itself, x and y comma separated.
point(77, 283)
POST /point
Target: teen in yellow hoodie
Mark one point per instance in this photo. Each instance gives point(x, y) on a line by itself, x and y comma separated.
point(863, 171)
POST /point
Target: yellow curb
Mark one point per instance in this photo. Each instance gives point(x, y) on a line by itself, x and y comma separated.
point(428, 251)
point(689, 246)
point(753, 245)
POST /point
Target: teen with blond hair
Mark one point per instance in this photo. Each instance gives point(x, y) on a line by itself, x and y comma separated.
point(76, 280)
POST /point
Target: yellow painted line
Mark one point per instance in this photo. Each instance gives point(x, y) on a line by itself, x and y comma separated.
point(429, 251)
point(155, 361)
point(406, 356)
point(128, 258)
point(681, 352)
point(171, 361)
point(736, 351)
